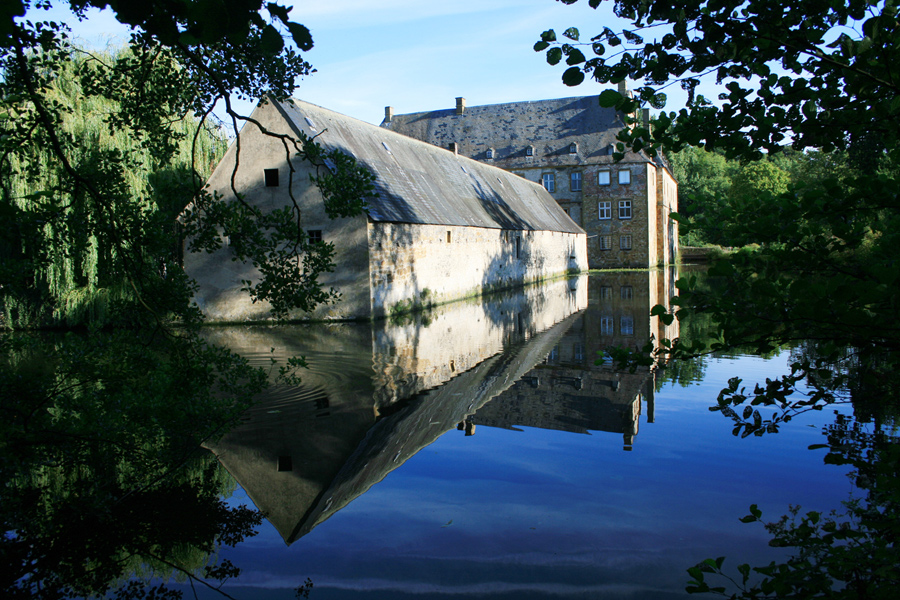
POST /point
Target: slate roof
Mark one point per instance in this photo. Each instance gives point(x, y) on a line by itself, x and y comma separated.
point(549, 126)
point(417, 182)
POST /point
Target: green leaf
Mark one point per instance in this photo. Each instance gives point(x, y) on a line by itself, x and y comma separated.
point(575, 57)
point(572, 76)
point(272, 42)
point(548, 36)
point(609, 98)
point(554, 55)
point(571, 33)
point(541, 46)
point(301, 36)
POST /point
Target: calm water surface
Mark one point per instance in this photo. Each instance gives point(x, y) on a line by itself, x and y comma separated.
point(479, 452)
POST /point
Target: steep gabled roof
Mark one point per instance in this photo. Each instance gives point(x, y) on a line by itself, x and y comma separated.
point(417, 182)
point(548, 126)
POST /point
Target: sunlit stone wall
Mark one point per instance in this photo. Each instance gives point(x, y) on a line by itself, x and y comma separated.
point(422, 264)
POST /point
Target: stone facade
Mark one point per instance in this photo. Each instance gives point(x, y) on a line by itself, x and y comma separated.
point(441, 226)
point(566, 145)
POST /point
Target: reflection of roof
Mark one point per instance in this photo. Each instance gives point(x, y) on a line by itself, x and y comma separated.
point(420, 183)
point(549, 126)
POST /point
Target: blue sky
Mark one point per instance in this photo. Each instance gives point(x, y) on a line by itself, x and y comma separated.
point(420, 55)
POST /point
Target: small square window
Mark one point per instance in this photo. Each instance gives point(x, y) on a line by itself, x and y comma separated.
point(575, 181)
point(315, 236)
point(624, 209)
point(625, 244)
point(605, 242)
point(603, 177)
point(624, 177)
point(271, 176)
point(604, 210)
point(549, 182)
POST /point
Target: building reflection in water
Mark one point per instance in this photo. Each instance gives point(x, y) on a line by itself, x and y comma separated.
point(376, 394)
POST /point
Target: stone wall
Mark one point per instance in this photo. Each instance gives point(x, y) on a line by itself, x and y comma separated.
point(414, 265)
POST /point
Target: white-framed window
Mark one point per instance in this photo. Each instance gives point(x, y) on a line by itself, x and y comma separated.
point(579, 351)
point(573, 148)
point(626, 325)
point(575, 181)
point(490, 154)
point(627, 292)
point(529, 151)
point(606, 325)
point(549, 181)
point(624, 244)
point(604, 210)
point(624, 209)
point(603, 178)
point(605, 242)
point(624, 177)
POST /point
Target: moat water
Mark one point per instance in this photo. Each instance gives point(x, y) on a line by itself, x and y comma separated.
point(478, 451)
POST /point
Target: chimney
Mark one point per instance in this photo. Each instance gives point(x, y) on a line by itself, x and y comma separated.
point(460, 106)
point(646, 118)
point(623, 88)
point(453, 148)
point(388, 113)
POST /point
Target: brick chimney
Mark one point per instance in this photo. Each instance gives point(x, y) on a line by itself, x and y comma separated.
point(388, 113)
point(460, 105)
point(453, 147)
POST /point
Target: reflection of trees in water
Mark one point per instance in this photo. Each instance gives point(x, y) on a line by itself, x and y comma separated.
point(100, 465)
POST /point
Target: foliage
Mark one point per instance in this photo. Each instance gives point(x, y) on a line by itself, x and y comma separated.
point(99, 153)
point(810, 85)
point(849, 554)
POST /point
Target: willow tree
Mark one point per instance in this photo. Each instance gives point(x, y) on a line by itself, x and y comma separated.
point(98, 154)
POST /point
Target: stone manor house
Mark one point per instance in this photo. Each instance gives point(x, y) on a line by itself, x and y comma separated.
point(567, 145)
point(440, 227)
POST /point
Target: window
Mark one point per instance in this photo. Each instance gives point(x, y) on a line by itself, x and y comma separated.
point(626, 325)
point(315, 236)
point(605, 292)
point(448, 237)
point(573, 148)
point(606, 325)
point(579, 351)
point(624, 209)
point(625, 244)
point(490, 154)
point(627, 292)
point(575, 181)
point(549, 181)
point(605, 242)
point(624, 177)
point(603, 178)
point(271, 176)
point(529, 151)
point(604, 210)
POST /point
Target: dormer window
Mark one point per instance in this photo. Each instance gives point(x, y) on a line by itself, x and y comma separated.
point(490, 154)
point(529, 151)
point(573, 148)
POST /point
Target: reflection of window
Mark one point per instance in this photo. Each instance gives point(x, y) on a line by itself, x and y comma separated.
point(627, 292)
point(549, 181)
point(624, 209)
point(603, 178)
point(625, 242)
point(605, 242)
point(605, 292)
point(604, 210)
point(554, 355)
point(624, 177)
point(606, 325)
point(315, 236)
point(271, 176)
point(626, 325)
point(575, 182)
